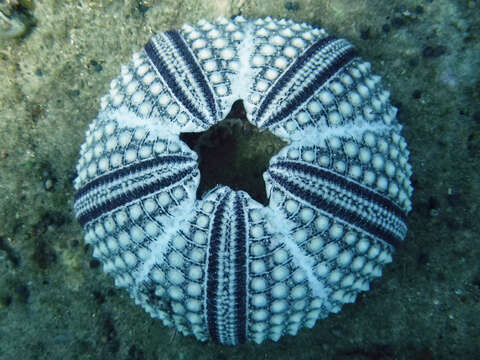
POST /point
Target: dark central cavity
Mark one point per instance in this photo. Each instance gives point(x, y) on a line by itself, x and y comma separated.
point(234, 153)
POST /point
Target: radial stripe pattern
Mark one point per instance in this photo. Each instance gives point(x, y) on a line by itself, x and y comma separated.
point(341, 198)
point(227, 271)
point(163, 51)
point(298, 83)
point(224, 267)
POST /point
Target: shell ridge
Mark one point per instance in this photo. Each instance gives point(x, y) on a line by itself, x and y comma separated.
point(215, 283)
point(176, 87)
point(240, 268)
point(395, 218)
point(227, 268)
point(319, 135)
point(300, 259)
point(115, 195)
point(244, 77)
point(334, 62)
point(171, 225)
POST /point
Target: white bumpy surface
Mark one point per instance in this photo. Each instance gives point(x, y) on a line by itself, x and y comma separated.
point(225, 267)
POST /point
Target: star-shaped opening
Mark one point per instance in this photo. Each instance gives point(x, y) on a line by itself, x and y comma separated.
point(234, 153)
